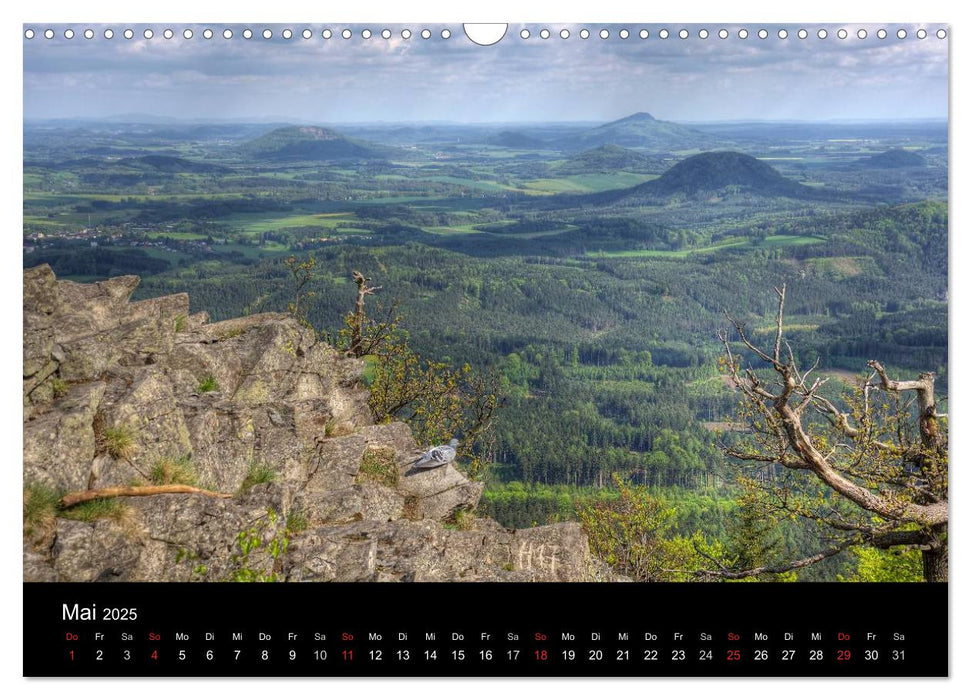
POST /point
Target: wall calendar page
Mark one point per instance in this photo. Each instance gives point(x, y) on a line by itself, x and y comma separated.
point(489, 350)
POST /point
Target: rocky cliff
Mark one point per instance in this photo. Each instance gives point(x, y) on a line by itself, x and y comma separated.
point(121, 393)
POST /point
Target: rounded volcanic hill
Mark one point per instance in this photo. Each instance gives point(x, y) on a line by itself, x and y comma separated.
point(894, 158)
point(717, 170)
point(310, 143)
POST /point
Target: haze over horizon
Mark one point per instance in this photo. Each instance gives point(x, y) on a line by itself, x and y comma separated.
point(395, 80)
point(157, 119)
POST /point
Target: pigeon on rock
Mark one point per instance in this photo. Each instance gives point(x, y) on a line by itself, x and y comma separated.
point(439, 456)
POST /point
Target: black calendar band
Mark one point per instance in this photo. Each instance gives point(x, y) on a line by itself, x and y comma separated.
point(485, 629)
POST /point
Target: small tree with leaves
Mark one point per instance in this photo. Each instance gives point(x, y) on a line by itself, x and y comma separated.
point(436, 400)
point(868, 469)
point(636, 534)
point(303, 273)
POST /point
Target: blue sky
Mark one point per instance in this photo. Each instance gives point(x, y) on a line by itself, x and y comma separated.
point(398, 80)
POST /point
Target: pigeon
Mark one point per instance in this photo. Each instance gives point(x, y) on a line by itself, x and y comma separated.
point(438, 456)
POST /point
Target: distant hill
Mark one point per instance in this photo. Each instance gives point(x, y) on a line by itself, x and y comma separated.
point(310, 143)
point(639, 130)
point(607, 159)
point(514, 139)
point(894, 158)
point(712, 172)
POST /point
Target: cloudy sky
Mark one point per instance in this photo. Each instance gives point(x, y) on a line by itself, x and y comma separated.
point(397, 80)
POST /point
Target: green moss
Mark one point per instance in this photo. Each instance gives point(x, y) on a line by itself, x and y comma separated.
point(378, 465)
point(208, 384)
point(58, 387)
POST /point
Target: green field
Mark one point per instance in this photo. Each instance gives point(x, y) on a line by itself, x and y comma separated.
point(255, 224)
point(177, 235)
point(768, 242)
point(582, 184)
point(787, 241)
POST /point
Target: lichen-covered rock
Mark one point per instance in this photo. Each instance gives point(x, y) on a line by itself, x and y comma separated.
point(438, 493)
point(60, 445)
point(258, 409)
point(359, 502)
point(100, 551)
point(37, 567)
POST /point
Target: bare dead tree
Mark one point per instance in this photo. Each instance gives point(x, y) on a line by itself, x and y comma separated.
point(363, 343)
point(882, 460)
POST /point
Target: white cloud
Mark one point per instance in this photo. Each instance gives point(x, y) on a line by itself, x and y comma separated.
point(536, 79)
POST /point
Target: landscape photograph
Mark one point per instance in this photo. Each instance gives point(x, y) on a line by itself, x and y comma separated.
point(357, 303)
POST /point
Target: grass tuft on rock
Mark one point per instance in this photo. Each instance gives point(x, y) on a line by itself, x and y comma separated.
point(259, 473)
point(174, 471)
point(378, 465)
point(230, 333)
point(461, 519)
point(98, 509)
point(119, 442)
point(208, 384)
point(40, 509)
point(297, 522)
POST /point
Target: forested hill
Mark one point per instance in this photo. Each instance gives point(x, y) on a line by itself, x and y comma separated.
point(894, 158)
point(308, 143)
point(716, 170)
point(706, 175)
point(639, 130)
point(607, 159)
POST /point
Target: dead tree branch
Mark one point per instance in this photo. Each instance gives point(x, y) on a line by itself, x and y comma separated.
point(76, 497)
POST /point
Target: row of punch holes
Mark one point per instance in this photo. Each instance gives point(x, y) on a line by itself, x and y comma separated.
point(446, 33)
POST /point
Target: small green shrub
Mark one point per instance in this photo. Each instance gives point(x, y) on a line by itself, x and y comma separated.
point(180, 323)
point(378, 465)
point(208, 384)
point(259, 473)
point(118, 442)
point(173, 471)
point(254, 544)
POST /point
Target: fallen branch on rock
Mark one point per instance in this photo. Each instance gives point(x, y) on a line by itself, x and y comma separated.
point(72, 499)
